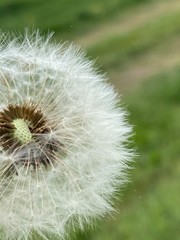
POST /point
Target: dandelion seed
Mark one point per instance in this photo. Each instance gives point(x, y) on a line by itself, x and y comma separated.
point(63, 139)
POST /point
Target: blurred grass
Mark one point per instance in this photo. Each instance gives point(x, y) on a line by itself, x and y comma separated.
point(64, 17)
point(149, 208)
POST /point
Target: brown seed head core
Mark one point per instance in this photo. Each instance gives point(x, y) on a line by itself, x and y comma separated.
point(21, 130)
point(28, 113)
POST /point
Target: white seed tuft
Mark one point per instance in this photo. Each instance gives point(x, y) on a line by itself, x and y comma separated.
point(78, 158)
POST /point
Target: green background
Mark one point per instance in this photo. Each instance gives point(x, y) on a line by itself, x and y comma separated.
point(137, 43)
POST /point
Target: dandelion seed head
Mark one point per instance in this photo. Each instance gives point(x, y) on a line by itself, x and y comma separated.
point(63, 139)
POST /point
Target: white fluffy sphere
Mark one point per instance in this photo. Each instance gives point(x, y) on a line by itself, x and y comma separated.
point(63, 139)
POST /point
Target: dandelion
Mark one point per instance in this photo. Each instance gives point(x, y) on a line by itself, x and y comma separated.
point(63, 150)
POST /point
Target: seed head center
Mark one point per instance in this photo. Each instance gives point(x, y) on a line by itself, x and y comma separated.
point(22, 131)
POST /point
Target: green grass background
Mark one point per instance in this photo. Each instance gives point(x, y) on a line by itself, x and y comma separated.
point(142, 61)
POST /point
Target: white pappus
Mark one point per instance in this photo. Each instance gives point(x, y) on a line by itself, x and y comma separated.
point(63, 139)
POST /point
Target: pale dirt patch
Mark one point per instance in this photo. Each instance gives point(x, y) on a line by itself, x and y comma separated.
point(132, 19)
point(160, 59)
point(164, 58)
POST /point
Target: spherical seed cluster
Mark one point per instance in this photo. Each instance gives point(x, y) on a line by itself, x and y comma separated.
point(62, 138)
